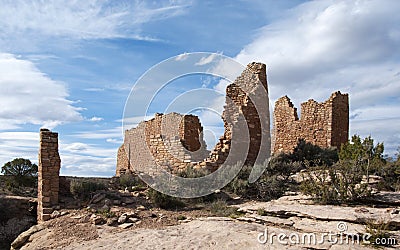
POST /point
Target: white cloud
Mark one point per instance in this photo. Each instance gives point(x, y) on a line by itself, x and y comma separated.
point(84, 159)
point(206, 60)
point(77, 158)
point(96, 119)
point(113, 140)
point(18, 144)
point(323, 46)
point(76, 147)
point(182, 57)
point(29, 96)
point(91, 19)
point(86, 165)
point(99, 134)
point(94, 89)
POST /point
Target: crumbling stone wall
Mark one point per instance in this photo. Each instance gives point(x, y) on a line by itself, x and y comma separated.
point(48, 174)
point(324, 124)
point(175, 141)
point(238, 102)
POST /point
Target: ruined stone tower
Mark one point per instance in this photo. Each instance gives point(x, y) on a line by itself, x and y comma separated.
point(324, 124)
point(174, 142)
point(48, 174)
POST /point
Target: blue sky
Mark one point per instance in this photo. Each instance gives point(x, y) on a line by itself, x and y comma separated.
point(70, 65)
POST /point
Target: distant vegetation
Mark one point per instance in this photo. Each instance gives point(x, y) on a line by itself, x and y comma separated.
point(22, 171)
point(330, 175)
point(348, 180)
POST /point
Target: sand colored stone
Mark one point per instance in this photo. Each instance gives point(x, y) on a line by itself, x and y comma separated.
point(174, 141)
point(324, 124)
point(48, 174)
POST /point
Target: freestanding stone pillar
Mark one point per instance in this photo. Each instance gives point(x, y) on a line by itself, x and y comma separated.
point(48, 174)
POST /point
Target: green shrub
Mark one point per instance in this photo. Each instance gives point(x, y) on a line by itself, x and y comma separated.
point(262, 212)
point(164, 201)
point(379, 230)
point(313, 155)
point(181, 217)
point(272, 183)
point(271, 187)
point(221, 208)
point(337, 184)
point(390, 173)
point(190, 172)
point(130, 181)
point(240, 184)
point(106, 213)
point(84, 189)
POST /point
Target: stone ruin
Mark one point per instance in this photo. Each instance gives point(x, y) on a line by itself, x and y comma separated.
point(324, 124)
point(48, 174)
point(175, 142)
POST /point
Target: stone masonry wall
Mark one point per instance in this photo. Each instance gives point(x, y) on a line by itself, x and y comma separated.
point(324, 124)
point(48, 174)
point(174, 142)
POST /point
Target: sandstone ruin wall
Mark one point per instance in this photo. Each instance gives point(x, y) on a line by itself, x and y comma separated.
point(48, 174)
point(324, 124)
point(174, 142)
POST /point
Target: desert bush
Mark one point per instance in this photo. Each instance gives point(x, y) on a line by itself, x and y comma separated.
point(271, 185)
point(106, 213)
point(262, 212)
point(240, 184)
point(341, 183)
point(390, 173)
point(130, 180)
point(337, 184)
point(164, 201)
point(221, 208)
point(363, 153)
point(181, 217)
point(379, 233)
point(84, 189)
point(313, 155)
point(190, 172)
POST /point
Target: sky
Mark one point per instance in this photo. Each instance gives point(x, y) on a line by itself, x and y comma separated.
point(70, 65)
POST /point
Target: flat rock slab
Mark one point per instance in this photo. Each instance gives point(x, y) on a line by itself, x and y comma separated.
point(286, 208)
point(202, 234)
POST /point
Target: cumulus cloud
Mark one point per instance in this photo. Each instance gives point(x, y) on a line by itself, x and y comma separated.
point(29, 96)
point(323, 46)
point(85, 159)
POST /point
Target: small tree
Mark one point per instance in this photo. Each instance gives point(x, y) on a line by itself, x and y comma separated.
point(363, 152)
point(23, 171)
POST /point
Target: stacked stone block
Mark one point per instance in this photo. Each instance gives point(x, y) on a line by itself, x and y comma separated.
point(324, 124)
point(173, 141)
point(238, 102)
point(48, 174)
